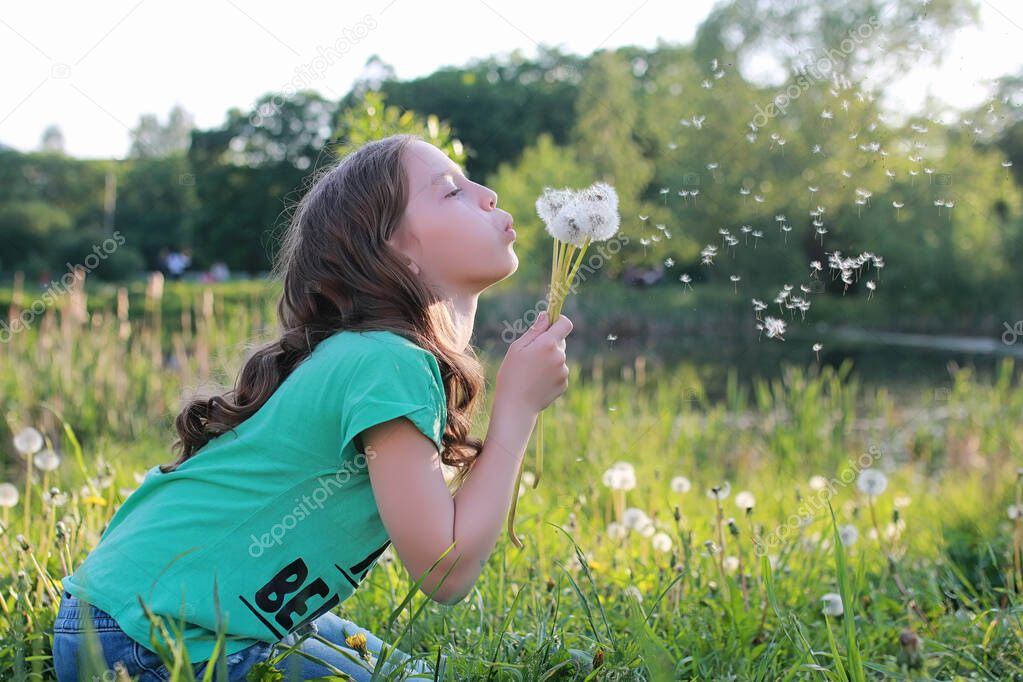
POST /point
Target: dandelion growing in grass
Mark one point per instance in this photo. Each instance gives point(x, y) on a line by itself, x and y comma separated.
point(745, 500)
point(720, 491)
point(872, 482)
point(47, 460)
point(574, 218)
point(28, 441)
point(832, 604)
point(680, 484)
point(661, 542)
point(818, 482)
point(8, 499)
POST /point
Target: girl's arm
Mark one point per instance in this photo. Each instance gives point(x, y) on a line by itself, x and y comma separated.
point(421, 516)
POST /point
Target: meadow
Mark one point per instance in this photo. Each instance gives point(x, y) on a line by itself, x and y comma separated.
point(804, 525)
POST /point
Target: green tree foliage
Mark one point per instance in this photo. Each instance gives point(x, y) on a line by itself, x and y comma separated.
point(498, 106)
point(248, 169)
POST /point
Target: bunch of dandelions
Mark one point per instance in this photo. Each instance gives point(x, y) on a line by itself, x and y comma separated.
point(574, 218)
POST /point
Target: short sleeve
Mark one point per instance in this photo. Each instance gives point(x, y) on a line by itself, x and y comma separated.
point(394, 380)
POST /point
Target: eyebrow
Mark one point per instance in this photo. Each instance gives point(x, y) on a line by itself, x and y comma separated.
point(438, 176)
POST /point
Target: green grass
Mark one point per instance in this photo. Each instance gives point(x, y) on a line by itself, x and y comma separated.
point(737, 596)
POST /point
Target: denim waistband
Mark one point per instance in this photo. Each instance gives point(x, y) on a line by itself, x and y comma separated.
point(72, 610)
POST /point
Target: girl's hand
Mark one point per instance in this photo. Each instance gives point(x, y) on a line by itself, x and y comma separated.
point(534, 372)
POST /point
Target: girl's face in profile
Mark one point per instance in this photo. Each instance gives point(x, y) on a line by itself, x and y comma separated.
point(452, 229)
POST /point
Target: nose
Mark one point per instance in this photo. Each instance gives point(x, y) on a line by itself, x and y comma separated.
point(489, 199)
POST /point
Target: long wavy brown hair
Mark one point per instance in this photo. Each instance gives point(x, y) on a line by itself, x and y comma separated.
point(339, 274)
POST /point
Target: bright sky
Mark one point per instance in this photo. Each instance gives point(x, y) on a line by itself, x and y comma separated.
point(94, 68)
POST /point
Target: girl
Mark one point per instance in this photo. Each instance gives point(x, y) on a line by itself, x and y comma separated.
point(289, 487)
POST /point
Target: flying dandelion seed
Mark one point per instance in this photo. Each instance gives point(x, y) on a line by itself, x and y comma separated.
point(668, 262)
point(817, 350)
point(758, 306)
point(774, 327)
point(815, 268)
point(757, 234)
point(822, 231)
point(611, 338)
point(735, 282)
point(871, 286)
point(644, 218)
point(686, 280)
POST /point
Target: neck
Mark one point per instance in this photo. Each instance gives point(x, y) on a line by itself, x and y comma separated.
point(463, 316)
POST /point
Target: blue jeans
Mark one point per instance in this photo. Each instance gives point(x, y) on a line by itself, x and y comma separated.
point(118, 647)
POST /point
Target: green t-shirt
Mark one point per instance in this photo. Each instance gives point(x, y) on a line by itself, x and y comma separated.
point(279, 512)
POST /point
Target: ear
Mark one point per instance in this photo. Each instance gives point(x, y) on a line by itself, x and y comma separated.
point(396, 243)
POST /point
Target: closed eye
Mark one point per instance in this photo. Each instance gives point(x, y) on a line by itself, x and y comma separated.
point(453, 192)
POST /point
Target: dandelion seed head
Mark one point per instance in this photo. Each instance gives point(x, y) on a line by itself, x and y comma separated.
point(661, 542)
point(745, 500)
point(28, 441)
point(720, 491)
point(46, 460)
point(872, 482)
point(8, 495)
point(832, 604)
point(680, 484)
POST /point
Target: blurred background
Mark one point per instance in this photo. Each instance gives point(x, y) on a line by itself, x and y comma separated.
point(897, 127)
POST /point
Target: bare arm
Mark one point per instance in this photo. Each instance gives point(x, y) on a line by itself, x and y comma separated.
point(421, 516)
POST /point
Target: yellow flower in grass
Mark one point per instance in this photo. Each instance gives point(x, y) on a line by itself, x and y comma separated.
point(358, 642)
point(96, 500)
